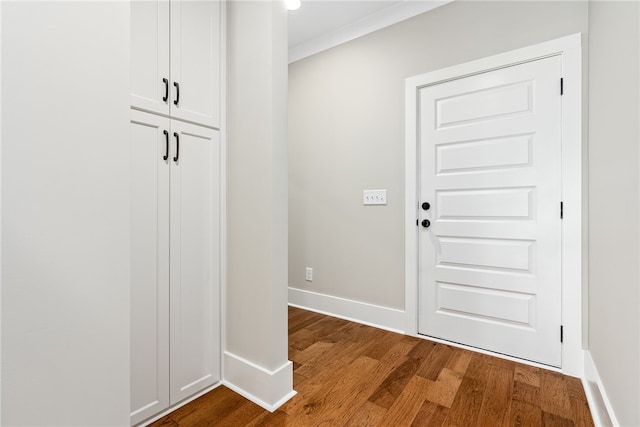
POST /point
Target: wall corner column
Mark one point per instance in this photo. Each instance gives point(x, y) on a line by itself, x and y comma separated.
point(255, 360)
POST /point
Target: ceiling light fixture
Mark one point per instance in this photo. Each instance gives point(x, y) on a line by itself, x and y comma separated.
point(293, 4)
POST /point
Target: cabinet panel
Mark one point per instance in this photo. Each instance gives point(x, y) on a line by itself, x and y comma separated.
point(195, 60)
point(150, 55)
point(149, 266)
point(195, 260)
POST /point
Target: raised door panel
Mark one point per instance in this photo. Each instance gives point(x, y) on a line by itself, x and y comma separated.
point(149, 266)
point(195, 61)
point(150, 80)
point(195, 260)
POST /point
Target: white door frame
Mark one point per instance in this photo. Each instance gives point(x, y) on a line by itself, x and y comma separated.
point(573, 248)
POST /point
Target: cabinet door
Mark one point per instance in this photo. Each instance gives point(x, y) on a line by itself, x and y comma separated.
point(195, 260)
point(195, 61)
point(149, 266)
point(150, 55)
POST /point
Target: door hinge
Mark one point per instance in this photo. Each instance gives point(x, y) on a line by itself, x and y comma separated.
point(561, 333)
point(561, 210)
point(561, 86)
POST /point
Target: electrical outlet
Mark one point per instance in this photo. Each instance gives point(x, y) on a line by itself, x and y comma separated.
point(309, 274)
point(374, 197)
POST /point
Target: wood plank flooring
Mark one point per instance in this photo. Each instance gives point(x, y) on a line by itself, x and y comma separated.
point(347, 374)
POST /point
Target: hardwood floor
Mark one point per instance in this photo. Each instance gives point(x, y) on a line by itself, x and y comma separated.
point(347, 374)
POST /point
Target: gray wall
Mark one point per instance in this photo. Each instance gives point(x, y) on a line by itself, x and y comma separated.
point(65, 213)
point(346, 134)
point(256, 291)
point(614, 189)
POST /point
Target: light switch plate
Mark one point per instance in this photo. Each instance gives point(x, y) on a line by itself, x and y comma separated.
point(375, 197)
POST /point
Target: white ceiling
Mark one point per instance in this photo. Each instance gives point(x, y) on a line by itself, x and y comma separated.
point(319, 17)
point(322, 24)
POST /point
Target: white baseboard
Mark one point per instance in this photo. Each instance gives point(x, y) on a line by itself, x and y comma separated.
point(368, 314)
point(599, 404)
point(269, 389)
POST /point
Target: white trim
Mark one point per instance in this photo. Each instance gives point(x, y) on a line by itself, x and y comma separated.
point(268, 389)
point(376, 21)
point(223, 186)
point(599, 403)
point(386, 318)
point(572, 249)
point(170, 409)
point(0, 211)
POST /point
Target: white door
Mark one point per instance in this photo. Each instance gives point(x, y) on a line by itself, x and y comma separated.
point(490, 169)
point(195, 259)
point(149, 265)
point(150, 79)
point(195, 61)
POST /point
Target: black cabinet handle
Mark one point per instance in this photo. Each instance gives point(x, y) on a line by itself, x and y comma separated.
point(166, 149)
point(166, 90)
point(426, 223)
point(175, 159)
point(177, 86)
point(426, 206)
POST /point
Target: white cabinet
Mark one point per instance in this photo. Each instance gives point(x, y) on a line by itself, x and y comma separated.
point(194, 259)
point(175, 59)
point(150, 78)
point(149, 266)
point(175, 261)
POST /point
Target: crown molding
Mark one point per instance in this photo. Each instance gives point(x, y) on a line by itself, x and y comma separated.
point(376, 21)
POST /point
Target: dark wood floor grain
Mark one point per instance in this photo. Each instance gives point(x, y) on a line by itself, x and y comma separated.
point(347, 374)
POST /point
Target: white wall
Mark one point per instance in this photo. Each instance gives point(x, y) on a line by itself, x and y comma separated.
point(65, 213)
point(614, 203)
point(256, 292)
point(346, 134)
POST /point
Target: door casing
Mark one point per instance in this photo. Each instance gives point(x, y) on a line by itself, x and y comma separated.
point(574, 249)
